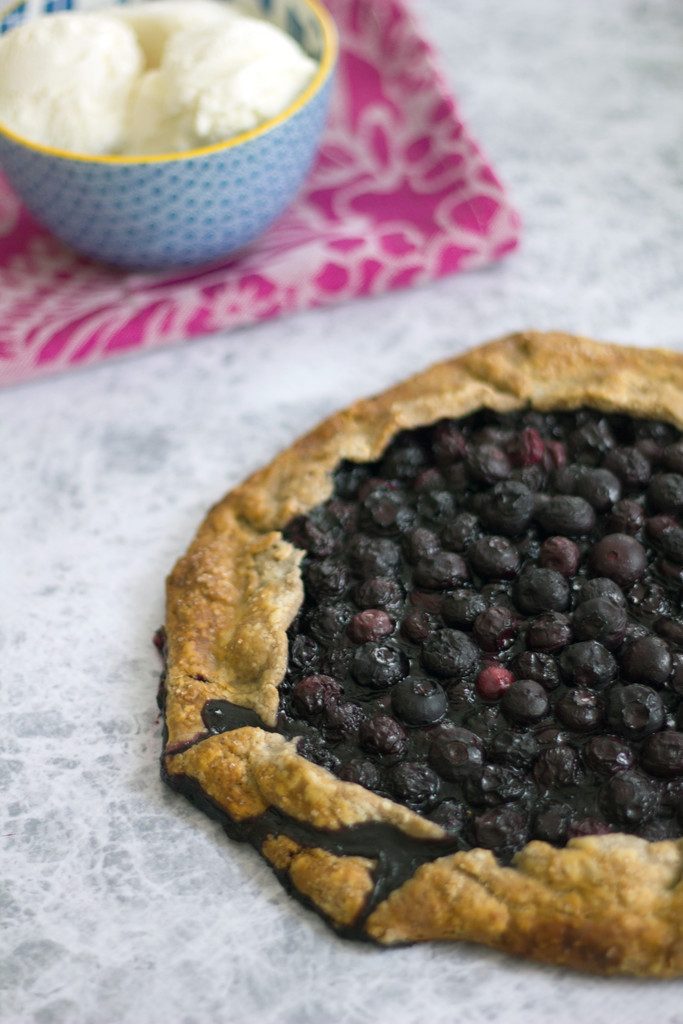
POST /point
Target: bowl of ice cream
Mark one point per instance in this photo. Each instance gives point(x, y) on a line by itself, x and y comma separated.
point(162, 134)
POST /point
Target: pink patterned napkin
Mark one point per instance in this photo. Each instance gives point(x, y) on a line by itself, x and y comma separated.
point(400, 194)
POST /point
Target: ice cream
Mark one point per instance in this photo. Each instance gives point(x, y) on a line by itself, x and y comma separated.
point(66, 81)
point(214, 82)
point(156, 77)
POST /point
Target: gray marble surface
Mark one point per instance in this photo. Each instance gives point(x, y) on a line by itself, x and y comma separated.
point(120, 903)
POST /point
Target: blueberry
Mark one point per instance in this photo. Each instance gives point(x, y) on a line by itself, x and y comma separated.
point(327, 578)
point(329, 620)
point(420, 543)
point(382, 734)
point(450, 815)
point(437, 506)
point(450, 653)
point(348, 479)
point(620, 557)
point(512, 747)
point(560, 554)
point(507, 509)
point(501, 829)
point(311, 693)
point(495, 628)
point(600, 586)
point(567, 515)
point(418, 625)
point(430, 479)
point(344, 718)
point(626, 517)
point(591, 441)
point(671, 543)
point(461, 697)
point(378, 666)
point(672, 457)
point(371, 624)
point(448, 443)
point(662, 754)
point(671, 629)
point(599, 487)
point(304, 653)
point(383, 511)
point(647, 660)
point(457, 756)
point(550, 632)
point(580, 710)
point(414, 783)
point(495, 784)
point(494, 558)
point(607, 755)
point(649, 599)
point(362, 772)
point(527, 448)
point(461, 532)
point(556, 766)
point(373, 556)
point(379, 592)
point(542, 668)
point(665, 493)
point(419, 701)
point(441, 571)
point(539, 590)
point(525, 701)
point(588, 664)
point(403, 461)
point(629, 799)
point(303, 533)
point(488, 463)
point(551, 822)
point(314, 749)
point(602, 620)
point(635, 711)
point(462, 607)
point(630, 465)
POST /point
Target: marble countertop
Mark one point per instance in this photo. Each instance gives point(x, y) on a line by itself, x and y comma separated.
point(121, 904)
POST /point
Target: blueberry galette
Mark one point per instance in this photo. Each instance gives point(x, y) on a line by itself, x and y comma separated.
point(429, 661)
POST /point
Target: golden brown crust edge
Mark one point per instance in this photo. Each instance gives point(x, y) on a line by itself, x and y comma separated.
point(609, 904)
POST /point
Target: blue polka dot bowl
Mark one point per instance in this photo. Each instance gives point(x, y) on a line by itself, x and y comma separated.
point(178, 209)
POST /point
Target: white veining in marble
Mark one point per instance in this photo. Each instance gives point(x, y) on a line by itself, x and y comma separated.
point(121, 904)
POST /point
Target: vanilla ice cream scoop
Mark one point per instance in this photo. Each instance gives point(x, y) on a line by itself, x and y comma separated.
point(214, 82)
point(66, 81)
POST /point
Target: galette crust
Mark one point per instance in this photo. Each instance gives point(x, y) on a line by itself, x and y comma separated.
point(607, 904)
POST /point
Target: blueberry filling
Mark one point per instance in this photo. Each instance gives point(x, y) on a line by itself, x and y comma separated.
point(491, 632)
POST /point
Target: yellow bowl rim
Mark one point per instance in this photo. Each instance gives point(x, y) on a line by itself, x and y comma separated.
point(325, 67)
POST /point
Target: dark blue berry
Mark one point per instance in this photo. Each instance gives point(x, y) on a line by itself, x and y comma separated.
point(602, 620)
point(566, 515)
point(382, 735)
point(647, 660)
point(540, 590)
point(450, 653)
point(414, 783)
point(418, 701)
point(462, 607)
point(588, 664)
point(635, 711)
point(378, 666)
point(526, 701)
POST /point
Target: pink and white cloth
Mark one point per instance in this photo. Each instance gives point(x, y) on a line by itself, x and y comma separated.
point(400, 194)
